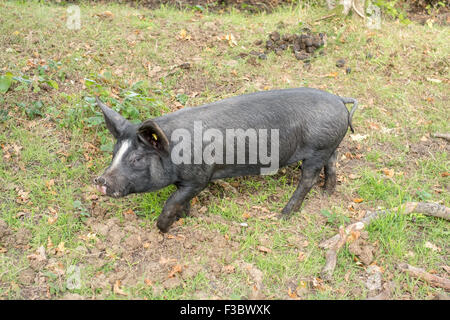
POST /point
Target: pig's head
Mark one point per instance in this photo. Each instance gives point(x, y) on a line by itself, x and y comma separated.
point(140, 156)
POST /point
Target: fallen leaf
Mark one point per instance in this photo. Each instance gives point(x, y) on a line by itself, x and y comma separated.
point(176, 269)
point(163, 260)
point(231, 40)
point(358, 137)
point(292, 293)
point(60, 249)
point(49, 243)
point(105, 14)
point(118, 290)
point(246, 215)
point(388, 172)
point(446, 268)
point(183, 35)
point(353, 236)
point(148, 282)
point(301, 256)
point(23, 196)
point(129, 211)
point(374, 126)
point(431, 246)
point(50, 183)
point(434, 80)
point(228, 269)
point(264, 249)
point(39, 255)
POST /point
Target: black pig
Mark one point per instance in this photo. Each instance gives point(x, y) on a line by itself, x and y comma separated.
point(232, 137)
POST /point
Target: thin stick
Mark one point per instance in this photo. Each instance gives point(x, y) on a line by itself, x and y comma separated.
point(336, 242)
point(423, 275)
point(325, 17)
point(445, 136)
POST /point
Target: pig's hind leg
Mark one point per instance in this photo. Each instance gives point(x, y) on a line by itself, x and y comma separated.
point(330, 174)
point(311, 168)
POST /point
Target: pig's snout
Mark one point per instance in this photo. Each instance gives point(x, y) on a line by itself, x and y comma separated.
point(100, 183)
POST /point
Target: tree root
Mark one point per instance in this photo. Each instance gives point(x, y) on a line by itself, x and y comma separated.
point(336, 242)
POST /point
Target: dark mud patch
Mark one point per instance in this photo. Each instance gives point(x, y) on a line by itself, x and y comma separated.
point(136, 255)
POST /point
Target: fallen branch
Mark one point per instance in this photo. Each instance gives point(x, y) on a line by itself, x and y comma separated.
point(325, 17)
point(357, 11)
point(423, 275)
point(336, 242)
point(331, 255)
point(445, 136)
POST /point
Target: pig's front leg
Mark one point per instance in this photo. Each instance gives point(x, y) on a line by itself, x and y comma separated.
point(177, 204)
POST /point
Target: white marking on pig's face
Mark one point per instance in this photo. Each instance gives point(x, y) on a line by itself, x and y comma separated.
point(119, 155)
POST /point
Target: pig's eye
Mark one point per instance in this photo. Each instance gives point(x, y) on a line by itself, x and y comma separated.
point(137, 160)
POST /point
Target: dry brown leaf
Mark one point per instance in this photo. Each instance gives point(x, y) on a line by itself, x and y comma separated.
point(176, 269)
point(52, 220)
point(105, 14)
point(431, 246)
point(23, 196)
point(183, 35)
point(446, 268)
point(353, 236)
point(292, 293)
point(129, 212)
point(246, 215)
point(264, 249)
point(374, 126)
point(301, 256)
point(118, 290)
point(148, 282)
point(49, 243)
point(332, 75)
point(39, 255)
point(60, 249)
point(388, 172)
point(231, 40)
point(228, 269)
point(163, 260)
point(50, 183)
point(353, 176)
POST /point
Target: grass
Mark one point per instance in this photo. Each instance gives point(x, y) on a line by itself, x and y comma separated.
point(53, 142)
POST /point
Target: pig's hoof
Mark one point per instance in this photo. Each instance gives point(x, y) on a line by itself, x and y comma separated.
point(283, 216)
point(163, 226)
point(328, 190)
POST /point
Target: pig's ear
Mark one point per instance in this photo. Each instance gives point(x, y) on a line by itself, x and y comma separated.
point(151, 135)
point(115, 123)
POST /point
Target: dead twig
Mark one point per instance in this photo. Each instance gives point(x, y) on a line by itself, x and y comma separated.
point(336, 242)
point(325, 17)
point(445, 136)
point(423, 275)
point(357, 11)
point(331, 255)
